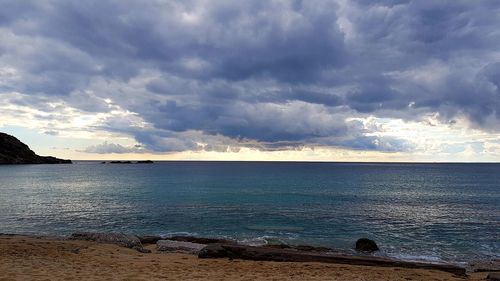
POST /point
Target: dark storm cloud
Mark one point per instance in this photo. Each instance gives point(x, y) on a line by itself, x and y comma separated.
point(264, 74)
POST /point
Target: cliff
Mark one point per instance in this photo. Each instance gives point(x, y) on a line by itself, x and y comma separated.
point(13, 151)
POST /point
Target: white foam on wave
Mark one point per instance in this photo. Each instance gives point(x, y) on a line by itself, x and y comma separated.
point(264, 240)
point(256, 241)
point(417, 258)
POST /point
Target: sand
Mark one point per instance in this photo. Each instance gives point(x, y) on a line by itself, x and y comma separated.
point(31, 258)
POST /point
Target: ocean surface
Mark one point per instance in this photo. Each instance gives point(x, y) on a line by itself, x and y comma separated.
point(436, 212)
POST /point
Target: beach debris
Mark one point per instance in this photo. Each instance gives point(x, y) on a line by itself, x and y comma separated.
point(289, 255)
point(366, 245)
point(493, 276)
point(179, 246)
point(117, 238)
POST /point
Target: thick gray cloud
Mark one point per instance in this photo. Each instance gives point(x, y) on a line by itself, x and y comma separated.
point(263, 74)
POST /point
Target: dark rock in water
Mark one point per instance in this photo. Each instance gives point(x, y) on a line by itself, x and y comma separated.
point(493, 276)
point(289, 255)
point(200, 240)
point(129, 162)
point(148, 239)
point(120, 239)
point(366, 245)
point(13, 151)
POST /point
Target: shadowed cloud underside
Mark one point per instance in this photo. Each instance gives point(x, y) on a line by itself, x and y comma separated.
point(319, 80)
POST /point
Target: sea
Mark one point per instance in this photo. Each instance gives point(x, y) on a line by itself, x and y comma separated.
point(420, 212)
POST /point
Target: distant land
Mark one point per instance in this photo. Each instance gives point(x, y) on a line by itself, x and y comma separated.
point(13, 151)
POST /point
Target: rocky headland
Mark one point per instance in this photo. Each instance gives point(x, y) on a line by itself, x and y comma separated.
point(13, 151)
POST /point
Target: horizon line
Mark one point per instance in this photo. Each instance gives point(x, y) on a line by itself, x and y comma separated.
point(293, 161)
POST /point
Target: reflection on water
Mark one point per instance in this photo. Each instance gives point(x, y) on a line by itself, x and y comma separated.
point(447, 211)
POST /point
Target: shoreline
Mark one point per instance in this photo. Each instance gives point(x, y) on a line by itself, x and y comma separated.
point(28, 252)
point(470, 265)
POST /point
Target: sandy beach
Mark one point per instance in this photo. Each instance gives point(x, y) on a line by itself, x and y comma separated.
point(35, 258)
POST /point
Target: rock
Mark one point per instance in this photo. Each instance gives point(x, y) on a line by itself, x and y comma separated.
point(142, 250)
point(485, 266)
point(304, 248)
point(120, 162)
point(494, 276)
point(120, 239)
point(366, 245)
point(13, 151)
point(213, 251)
point(201, 240)
point(178, 246)
point(148, 239)
point(289, 255)
point(312, 248)
point(145, 162)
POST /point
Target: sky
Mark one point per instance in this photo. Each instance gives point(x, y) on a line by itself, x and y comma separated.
point(359, 80)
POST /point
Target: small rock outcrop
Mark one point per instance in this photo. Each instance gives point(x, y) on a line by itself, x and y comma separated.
point(493, 276)
point(13, 151)
point(120, 239)
point(485, 266)
point(366, 245)
point(179, 246)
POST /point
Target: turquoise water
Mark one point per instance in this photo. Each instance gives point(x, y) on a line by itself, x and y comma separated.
point(414, 211)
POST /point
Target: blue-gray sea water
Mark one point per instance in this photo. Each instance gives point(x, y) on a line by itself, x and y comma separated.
point(447, 212)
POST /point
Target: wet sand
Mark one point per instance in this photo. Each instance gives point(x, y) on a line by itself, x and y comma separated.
point(31, 258)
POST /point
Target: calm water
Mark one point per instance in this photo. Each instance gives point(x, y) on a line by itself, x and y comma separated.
point(415, 211)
